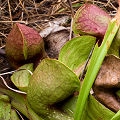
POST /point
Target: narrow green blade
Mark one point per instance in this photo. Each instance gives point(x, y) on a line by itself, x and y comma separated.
point(116, 116)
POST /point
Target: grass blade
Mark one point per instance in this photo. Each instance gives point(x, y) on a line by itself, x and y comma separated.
point(116, 116)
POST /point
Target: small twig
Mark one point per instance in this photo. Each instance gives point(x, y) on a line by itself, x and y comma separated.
point(3, 34)
point(81, 76)
point(72, 11)
point(35, 6)
point(22, 14)
point(25, 22)
point(71, 29)
point(113, 6)
point(108, 2)
point(23, 7)
point(2, 47)
point(5, 83)
point(38, 26)
point(65, 5)
point(17, 6)
point(15, 71)
point(19, 114)
point(10, 13)
point(71, 8)
point(5, 69)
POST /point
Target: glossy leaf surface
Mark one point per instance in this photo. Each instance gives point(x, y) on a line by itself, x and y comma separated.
point(21, 78)
point(19, 102)
point(5, 108)
point(75, 52)
point(51, 83)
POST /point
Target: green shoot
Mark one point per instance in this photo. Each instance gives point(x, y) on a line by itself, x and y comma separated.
point(116, 116)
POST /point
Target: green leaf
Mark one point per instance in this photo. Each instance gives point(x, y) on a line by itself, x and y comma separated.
point(69, 105)
point(114, 49)
point(115, 46)
point(21, 78)
point(96, 60)
point(51, 83)
point(4, 98)
point(94, 110)
point(14, 115)
point(19, 102)
point(5, 108)
point(116, 116)
point(75, 52)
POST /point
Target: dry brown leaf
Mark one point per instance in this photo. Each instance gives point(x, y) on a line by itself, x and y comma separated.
point(107, 97)
point(109, 74)
point(55, 41)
